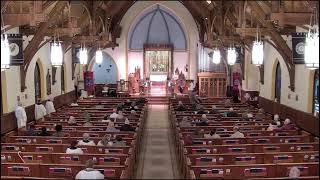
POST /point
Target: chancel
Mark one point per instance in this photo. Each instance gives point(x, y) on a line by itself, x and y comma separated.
point(202, 89)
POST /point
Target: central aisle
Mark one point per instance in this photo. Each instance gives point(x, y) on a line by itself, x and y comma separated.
point(157, 158)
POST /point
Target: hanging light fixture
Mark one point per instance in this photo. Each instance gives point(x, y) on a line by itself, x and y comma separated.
point(99, 56)
point(56, 51)
point(5, 52)
point(5, 49)
point(216, 57)
point(232, 56)
point(311, 53)
point(257, 51)
point(83, 56)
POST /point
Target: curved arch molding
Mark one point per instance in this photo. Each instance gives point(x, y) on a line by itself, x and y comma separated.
point(158, 25)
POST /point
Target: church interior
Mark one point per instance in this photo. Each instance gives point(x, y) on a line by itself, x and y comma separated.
point(159, 89)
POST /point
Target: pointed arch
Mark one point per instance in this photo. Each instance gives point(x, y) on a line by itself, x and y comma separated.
point(277, 85)
point(40, 72)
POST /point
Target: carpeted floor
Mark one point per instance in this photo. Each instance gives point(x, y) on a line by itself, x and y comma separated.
point(157, 159)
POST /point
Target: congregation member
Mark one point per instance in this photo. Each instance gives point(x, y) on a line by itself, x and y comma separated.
point(114, 114)
point(132, 114)
point(287, 125)
point(50, 106)
point(200, 109)
point(31, 131)
point(212, 135)
point(105, 141)
point(120, 117)
point(231, 113)
point(86, 140)
point(203, 121)
point(181, 107)
point(237, 133)
point(73, 149)
point(119, 142)
point(89, 172)
point(126, 126)
point(72, 121)
point(260, 115)
point(21, 116)
point(247, 114)
point(87, 118)
point(59, 132)
point(111, 127)
point(39, 111)
point(272, 126)
point(276, 118)
point(44, 132)
point(213, 110)
point(185, 122)
point(227, 103)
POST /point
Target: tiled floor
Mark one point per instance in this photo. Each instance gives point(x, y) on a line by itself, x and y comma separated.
point(157, 161)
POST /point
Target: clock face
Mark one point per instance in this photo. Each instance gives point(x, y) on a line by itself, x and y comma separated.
point(300, 48)
point(14, 49)
point(78, 54)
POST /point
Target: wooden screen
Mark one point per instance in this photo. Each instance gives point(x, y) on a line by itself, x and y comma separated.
point(212, 84)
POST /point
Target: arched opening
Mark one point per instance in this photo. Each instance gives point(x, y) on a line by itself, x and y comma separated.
point(37, 82)
point(62, 80)
point(106, 72)
point(315, 108)
point(277, 86)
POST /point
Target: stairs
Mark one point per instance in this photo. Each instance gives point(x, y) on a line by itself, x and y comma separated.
point(158, 100)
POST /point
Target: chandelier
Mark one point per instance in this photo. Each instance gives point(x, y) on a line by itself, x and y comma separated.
point(311, 52)
point(5, 52)
point(257, 51)
point(232, 56)
point(99, 56)
point(216, 56)
point(83, 56)
point(56, 54)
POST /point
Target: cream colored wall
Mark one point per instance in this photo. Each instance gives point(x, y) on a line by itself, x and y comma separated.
point(12, 78)
point(303, 80)
point(120, 54)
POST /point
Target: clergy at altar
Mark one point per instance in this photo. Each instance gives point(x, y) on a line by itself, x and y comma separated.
point(39, 111)
point(21, 116)
point(50, 106)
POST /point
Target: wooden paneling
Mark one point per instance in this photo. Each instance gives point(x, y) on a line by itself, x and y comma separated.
point(305, 121)
point(212, 84)
point(9, 122)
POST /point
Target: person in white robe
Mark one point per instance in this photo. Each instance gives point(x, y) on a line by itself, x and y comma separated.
point(39, 111)
point(212, 135)
point(86, 140)
point(89, 172)
point(50, 106)
point(73, 149)
point(21, 116)
point(237, 133)
point(84, 94)
point(294, 172)
point(114, 115)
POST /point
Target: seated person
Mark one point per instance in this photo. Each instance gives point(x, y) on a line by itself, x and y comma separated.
point(214, 110)
point(114, 115)
point(105, 141)
point(127, 103)
point(287, 125)
point(132, 114)
point(119, 141)
point(44, 132)
point(276, 118)
point(120, 117)
point(120, 106)
point(89, 172)
point(227, 103)
point(73, 149)
point(72, 121)
point(127, 126)
point(31, 131)
point(180, 107)
point(87, 118)
point(235, 98)
point(59, 132)
point(212, 135)
point(272, 126)
point(86, 140)
point(231, 113)
point(200, 110)
point(247, 114)
point(294, 172)
point(111, 127)
point(185, 122)
point(260, 115)
point(203, 121)
point(237, 133)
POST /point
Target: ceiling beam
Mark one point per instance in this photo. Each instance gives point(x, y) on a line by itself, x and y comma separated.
point(295, 19)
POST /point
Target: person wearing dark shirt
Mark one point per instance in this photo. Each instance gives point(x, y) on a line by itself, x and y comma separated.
point(214, 110)
point(44, 132)
point(127, 126)
point(58, 132)
point(188, 140)
point(31, 131)
point(231, 113)
point(200, 110)
point(235, 98)
point(203, 121)
point(181, 107)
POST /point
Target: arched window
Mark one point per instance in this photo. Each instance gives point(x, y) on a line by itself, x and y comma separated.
point(278, 83)
point(62, 79)
point(37, 82)
point(316, 93)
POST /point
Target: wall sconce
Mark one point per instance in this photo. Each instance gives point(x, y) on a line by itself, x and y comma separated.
point(296, 97)
point(289, 96)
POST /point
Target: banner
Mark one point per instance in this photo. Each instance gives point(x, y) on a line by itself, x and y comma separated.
point(16, 49)
point(88, 81)
point(75, 54)
point(236, 78)
point(298, 44)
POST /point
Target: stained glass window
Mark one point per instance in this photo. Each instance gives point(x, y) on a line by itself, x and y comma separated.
point(278, 83)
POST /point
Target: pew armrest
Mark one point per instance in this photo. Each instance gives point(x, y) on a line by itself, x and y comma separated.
point(188, 161)
point(124, 175)
point(192, 175)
